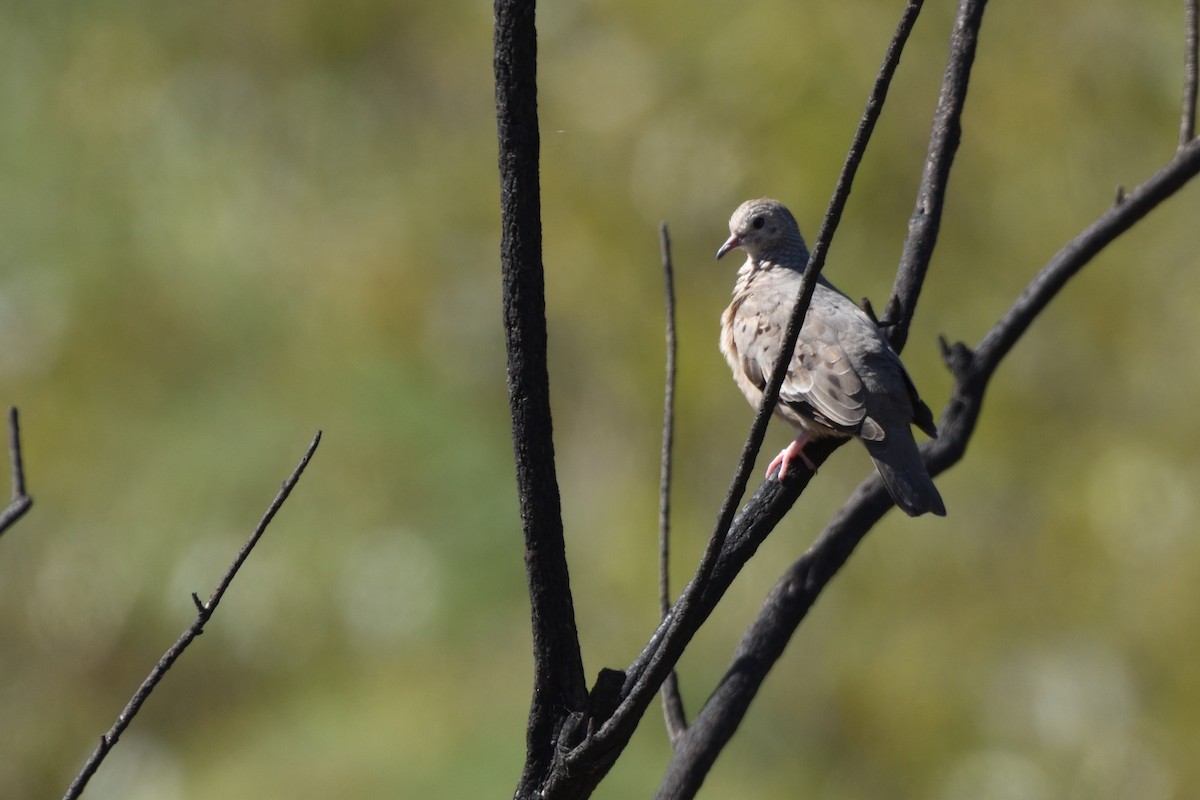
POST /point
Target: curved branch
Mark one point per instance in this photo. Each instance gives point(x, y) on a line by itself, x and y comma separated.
point(1072, 257)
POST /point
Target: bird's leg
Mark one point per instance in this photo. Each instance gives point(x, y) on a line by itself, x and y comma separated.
point(784, 459)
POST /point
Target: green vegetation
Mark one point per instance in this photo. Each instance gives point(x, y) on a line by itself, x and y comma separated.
point(224, 226)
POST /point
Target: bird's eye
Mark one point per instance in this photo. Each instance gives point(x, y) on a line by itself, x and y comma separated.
point(758, 223)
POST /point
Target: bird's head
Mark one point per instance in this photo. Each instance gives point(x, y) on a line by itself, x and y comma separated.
point(766, 229)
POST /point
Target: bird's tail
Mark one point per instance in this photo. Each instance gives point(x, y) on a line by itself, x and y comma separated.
point(903, 471)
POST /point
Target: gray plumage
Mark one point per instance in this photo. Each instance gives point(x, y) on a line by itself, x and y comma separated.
point(844, 380)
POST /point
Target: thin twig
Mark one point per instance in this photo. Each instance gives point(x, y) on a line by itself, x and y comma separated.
point(668, 435)
point(1191, 46)
point(652, 666)
point(673, 712)
point(21, 501)
point(204, 612)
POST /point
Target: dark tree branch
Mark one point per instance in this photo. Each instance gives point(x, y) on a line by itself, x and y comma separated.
point(1070, 259)
point(796, 591)
point(668, 436)
point(21, 501)
point(204, 612)
point(1191, 46)
point(926, 218)
point(559, 688)
point(673, 713)
point(808, 284)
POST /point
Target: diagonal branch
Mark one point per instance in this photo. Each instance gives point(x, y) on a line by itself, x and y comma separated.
point(726, 554)
point(1075, 255)
point(796, 591)
point(829, 225)
point(559, 688)
point(21, 501)
point(816, 262)
point(204, 612)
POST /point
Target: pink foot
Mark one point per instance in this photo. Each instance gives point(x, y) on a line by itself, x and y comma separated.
point(793, 450)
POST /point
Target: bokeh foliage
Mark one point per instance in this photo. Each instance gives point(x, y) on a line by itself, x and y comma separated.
point(223, 226)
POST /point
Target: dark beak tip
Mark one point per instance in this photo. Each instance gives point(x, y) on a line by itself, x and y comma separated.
point(730, 243)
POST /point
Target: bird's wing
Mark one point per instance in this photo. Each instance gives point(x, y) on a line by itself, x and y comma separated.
point(822, 381)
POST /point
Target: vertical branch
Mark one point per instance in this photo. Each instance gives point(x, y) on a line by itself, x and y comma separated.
point(926, 218)
point(673, 713)
point(668, 437)
point(21, 501)
point(1191, 44)
point(558, 666)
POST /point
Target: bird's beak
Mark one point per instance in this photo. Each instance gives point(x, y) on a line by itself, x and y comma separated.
point(730, 243)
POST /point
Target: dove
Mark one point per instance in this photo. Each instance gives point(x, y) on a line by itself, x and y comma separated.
point(843, 380)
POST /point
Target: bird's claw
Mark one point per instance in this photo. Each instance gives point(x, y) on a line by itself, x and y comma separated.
point(784, 459)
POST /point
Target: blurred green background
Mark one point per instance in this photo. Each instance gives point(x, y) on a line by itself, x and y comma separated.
point(226, 225)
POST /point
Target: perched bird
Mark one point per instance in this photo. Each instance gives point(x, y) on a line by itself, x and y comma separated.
point(844, 378)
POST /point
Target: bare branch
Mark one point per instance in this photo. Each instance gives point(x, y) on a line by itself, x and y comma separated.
point(664, 486)
point(723, 559)
point(673, 713)
point(204, 612)
point(796, 591)
point(926, 218)
point(1191, 46)
point(21, 501)
point(559, 688)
